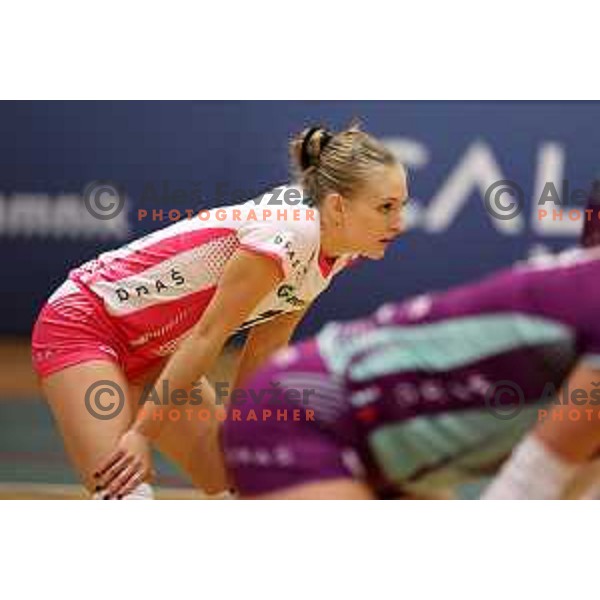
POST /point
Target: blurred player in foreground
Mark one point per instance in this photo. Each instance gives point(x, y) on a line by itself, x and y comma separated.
point(415, 397)
point(531, 473)
point(159, 310)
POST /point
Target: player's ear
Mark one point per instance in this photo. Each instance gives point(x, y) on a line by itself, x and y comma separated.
point(333, 205)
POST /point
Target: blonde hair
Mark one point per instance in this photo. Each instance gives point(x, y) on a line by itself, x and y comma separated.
point(325, 162)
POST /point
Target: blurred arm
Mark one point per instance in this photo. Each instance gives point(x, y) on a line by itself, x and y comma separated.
point(546, 462)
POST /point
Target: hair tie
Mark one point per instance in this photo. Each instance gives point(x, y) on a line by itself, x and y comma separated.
point(305, 158)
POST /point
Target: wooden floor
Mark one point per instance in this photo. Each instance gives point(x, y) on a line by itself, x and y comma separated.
point(16, 374)
point(48, 491)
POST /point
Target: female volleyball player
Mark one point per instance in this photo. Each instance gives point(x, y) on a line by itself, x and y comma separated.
point(160, 309)
point(416, 396)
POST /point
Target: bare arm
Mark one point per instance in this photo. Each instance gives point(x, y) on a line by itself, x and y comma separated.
point(247, 279)
point(572, 430)
point(265, 339)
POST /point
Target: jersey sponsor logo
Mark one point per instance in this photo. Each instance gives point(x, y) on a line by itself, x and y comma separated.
point(289, 251)
point(278, 456)
point(434, 392)
point(156, 286)
point(287, 292)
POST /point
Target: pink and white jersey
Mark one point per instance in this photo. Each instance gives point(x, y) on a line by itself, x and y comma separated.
point(156, 288)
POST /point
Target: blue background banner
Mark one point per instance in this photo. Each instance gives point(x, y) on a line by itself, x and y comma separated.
point(190, 155)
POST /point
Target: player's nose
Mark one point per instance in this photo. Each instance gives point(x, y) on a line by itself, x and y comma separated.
point(397, 224)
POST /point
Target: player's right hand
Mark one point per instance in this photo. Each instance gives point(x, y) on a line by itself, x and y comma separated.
point(126, 467)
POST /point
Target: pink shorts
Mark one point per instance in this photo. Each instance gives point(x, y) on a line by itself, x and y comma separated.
point(73, 328)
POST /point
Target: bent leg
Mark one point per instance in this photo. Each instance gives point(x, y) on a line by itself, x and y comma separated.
point(89, 432)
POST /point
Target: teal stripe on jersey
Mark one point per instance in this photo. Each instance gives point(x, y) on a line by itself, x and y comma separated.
point(429, 453)
point(435, 347)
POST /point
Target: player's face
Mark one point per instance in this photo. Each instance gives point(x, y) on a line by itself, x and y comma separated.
point(374, 218)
